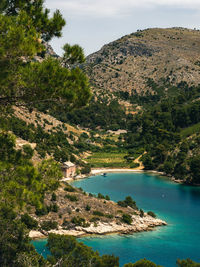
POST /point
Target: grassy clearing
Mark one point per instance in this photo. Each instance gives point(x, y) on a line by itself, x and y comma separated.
point(190, 130)
point(109, 160)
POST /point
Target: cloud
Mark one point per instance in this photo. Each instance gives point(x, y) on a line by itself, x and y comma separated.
point(110, 8)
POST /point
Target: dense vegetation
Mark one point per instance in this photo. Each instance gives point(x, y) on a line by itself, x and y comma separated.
point(162, 132)
point(93, 115)
point(22, 184)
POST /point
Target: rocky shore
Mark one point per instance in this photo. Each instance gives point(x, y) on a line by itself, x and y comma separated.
point(139, 224)
point(79, 213)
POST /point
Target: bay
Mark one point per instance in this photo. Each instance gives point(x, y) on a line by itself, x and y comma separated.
point(177, 204)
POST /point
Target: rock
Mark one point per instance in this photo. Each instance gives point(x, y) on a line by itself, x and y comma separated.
point(36, 234)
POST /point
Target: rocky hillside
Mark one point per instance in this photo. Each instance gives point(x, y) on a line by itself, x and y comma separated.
point(147, 61)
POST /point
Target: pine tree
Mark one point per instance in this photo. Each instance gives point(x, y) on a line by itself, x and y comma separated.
point(24, 26)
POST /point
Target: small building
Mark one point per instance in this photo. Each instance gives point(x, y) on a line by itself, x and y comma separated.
point(68, 169)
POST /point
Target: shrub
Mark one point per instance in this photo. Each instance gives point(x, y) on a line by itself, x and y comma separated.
point(122, 203)
point(94, 219)
point(86, 169)
point(79, 221)
point(141, 213)
point(53, 197)
point(69, 188)
point(28, 151)
point(100, 196)
point(29, 221)
point(42, 211)
point(134, 165)
point(98, 213)
point(152, 214)
point(107, 197)
point(109, 216)
point(54, 208)
point(87, 208)
point(71, 198)
point(48, 225)
point(127, 218)
point(128, 202)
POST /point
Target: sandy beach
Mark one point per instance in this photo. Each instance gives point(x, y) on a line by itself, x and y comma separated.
point(105, 170)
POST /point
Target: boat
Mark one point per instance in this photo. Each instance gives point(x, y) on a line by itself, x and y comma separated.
point(104, 174)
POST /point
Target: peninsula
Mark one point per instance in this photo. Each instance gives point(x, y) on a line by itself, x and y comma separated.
point(78, 213)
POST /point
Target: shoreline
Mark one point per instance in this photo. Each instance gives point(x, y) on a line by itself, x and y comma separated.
point(140, 224)
point(98, 171)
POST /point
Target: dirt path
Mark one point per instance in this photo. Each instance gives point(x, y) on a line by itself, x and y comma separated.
point(141, 167)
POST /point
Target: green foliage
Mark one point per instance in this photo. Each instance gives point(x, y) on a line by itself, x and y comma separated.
point(127, 218)
point(53, 197)
point(26, 82)
point(93, 115)
point(70, 85)
point(74, 253)
point(152, 214)
point(79, 221)
point(54, 207)
point(147, 162)
point(15, 247)
point(47, 143)
point(21, 183)
point(112, 159)
point(87, 208)
point(128, 202)
point(48, 27)
point(141, 213)
point(86, 169)
point(69, 188)
point(42, 211)
point(161, 130)
point(103, 197)
point(142, 263)
point(29, 221)
point(98, 213)
point(72, 198)
point(134, 165)
point(73, 54)
point(48, 225)
point(51, 174)
point(195, 169)
point(107, 197)
point(95, 219)
point(190, 130)
point(28, 151)
point(187, 263)
point(168, 167)
point(109, 216)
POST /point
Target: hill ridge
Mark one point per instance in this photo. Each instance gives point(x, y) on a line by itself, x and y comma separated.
point(167, 56)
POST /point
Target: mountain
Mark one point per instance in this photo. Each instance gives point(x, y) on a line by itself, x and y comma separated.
point(147, 62)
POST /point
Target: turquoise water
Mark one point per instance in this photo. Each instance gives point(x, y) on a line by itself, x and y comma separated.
point(179, 205)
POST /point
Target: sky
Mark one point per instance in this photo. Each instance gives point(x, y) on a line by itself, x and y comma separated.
point(94, 23)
